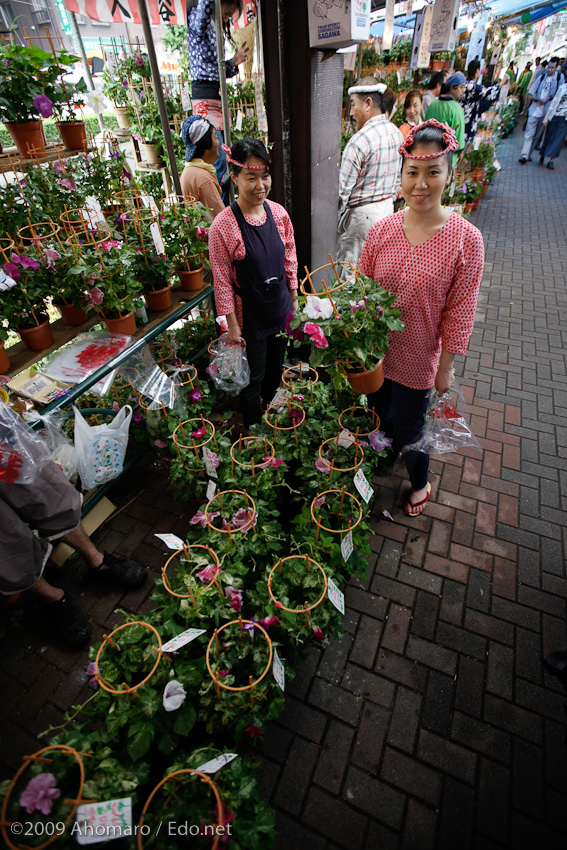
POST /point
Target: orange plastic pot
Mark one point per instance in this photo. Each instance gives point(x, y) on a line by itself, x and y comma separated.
point(191, 281)
point(159, 299)
point(36, 338)
point(4, 361)
point(368, 381)
point(73, 135)
point(72, 315)
point(28, 136)
point(125, 324)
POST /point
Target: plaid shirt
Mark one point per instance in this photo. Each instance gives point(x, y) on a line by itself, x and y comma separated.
point(371, 165)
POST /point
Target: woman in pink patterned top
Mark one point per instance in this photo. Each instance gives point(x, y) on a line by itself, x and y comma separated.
point(432, 259)
point(254, 263)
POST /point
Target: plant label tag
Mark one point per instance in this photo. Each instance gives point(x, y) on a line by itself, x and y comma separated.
point(92, 203)
point(452, 189)
point(96, 822)
point(172, 541)
point(280, 398)
point(149, 203)
point(158, 241)
point(278, 670)
point(336, 596)
point(181, 639)
point(346, 439)
point(347, 546)
point(497, 165)
point(185, 100)
point(214, 765)
point(239, 117)
point(211, 490)
point(209, 465)
point(476, 143)
point(362, 485)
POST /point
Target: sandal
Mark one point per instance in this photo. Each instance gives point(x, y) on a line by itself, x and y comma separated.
point(556, 662)
point(411, 506)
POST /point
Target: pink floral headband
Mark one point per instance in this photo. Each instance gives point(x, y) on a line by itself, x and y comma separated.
point(449, 138)
point(227, 151)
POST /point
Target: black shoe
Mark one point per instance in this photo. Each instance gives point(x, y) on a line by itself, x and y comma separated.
point(522, 160)
point(69, 622)
point(551, 165)
point(540, 160)
point(123, 571)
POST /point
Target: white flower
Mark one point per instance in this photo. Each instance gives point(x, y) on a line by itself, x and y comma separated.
point(97, 101)
point(318, 308)
point(174, 696)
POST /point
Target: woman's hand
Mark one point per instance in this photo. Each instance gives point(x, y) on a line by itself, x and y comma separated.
point(234, 332)
point(294, 305)
point(444, 380)
point(240, 55)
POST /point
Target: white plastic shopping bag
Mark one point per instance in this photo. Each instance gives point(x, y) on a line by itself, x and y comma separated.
point(101, 448)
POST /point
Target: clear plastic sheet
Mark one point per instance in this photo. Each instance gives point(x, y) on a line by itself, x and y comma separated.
point(58, 445)
point(229, 368)
point(149, 379)
point(22, 451)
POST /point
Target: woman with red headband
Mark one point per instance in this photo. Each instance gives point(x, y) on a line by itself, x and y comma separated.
point(432, 259)
point(254, 263)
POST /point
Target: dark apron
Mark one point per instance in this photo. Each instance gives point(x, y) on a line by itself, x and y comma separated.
point(260, 277)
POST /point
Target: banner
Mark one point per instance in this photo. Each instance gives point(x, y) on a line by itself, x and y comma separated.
point(126, 11)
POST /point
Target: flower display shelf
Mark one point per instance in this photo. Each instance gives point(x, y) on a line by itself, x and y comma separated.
point(191, 594)
point(107, 640)
point(252, 683)
point(195, 445)
point(345, 497)
point(306, 608)
point(250, 511)
point(41, 756)
point(358, 455)
point(186, 771)
point(284, 428)
point(244, 443)
point(304, 381)
point(336, 267)
point(350, 413)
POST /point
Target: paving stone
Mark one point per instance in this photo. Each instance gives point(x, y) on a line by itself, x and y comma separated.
point(456, 816)
point(493, 800)
point(431, 655)
point(371, 686)
point(419, 828)
point(336, 701)
point(402, 670)
point(334, 756)
point(470, 686)
point(291, 834)
point(438, 705)
point(447, 756)
point(368, 746)
point(335, 819)
point(396, 628)
point(296, 774)
point(411, 776)
point(405, 720)
point(461, 640)
point(366, 642)
point(481, 736)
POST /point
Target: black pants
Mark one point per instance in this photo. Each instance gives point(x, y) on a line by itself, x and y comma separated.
point(265, 359)
point(402, 413)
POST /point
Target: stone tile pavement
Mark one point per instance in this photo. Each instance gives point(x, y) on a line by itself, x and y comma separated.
point(431, 723)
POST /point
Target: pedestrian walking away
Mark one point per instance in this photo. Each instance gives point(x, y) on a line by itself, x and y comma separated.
point(556, 123)
point(542, 91)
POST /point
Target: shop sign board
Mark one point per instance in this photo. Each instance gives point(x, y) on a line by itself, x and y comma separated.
point(338, 23)
point(444, 25)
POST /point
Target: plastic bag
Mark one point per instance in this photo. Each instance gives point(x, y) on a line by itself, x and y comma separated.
point(22, 452)
point(143, 373)
point(229, 368)
point(445, 429)
point(59, 446)
point(101, 448)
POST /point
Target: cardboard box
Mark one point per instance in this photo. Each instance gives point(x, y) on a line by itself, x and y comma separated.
point(338, 23)
point(37, 386)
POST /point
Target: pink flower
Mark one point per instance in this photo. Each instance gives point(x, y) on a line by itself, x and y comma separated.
point(68, 183)
point(279, 604)
point(110, 244)
point(379, 441)
point(160, 444)
point(207, 574)
point(51, 256)
point(379, 311)
point(39, 794)
point(115, 406)
point(227, 817)
point(318, 633)
point(298, 396)
point(316, 335)
point(12, 270)
point(224, 673)
point(214, 458)
point(253, 731)
point(200, 432)
point(244, 519)
point(271, 461)
point(322, 465)
point(296, 333)
point(201, 519)
point(95, 296)
point(45, 108)
point(138, 417)
point(297, 416)
point(195, 395)
point(357, 305)
point(25, 262)
point(138, 60)
point(201, 232)
point(235, 597)
point(272, 620)
point(59, 167)
point(320, 501)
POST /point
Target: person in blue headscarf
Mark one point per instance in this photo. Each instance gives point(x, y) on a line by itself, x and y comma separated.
point(199, 179)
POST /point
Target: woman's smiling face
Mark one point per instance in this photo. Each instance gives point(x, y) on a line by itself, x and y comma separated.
point(253, 184)
point(423, 181)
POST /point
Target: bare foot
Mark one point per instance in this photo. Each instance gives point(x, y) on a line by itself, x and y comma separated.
point(413, 506)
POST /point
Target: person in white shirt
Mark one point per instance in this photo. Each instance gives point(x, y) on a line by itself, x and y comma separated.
point(542, 91)
point(556, 122)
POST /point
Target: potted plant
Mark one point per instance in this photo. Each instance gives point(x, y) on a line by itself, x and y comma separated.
point(153, 272)
point(4, 360)
point(184, 228)
point(70, 98)
point(33, 274)
point(146, 126)
point(104, 178)
point(115, 87)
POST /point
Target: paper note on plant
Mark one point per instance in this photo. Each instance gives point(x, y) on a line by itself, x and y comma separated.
point(239, 117)
point(211, 490)
point(278, 670)
point(347, 546)
point(97, 822)
point(181, 639)
point(209, 465)
point(346, 439)
point(335, 595)
point(362, 485)
point(215, 764)
point(158, 241)
point(172, 541)
point(280, 398)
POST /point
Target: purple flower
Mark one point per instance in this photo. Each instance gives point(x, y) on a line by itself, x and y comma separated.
point(25, 262)
point(297, 416)
point(12, 270)
point(201, 519)
point(138, 418)
point(357, 305)
point(195, 395)
point(322, 465)
point(92, 670)
point(95, 296)
point(68, 183)
point(138, 60)
point(59, 167)
point(39, 794)
point(126, 173)
point(160, 444)
point(51, 256)
point(379, 311)
point(245, 519)
point(320, 501)
point(120, 219)
point(45, 108)
point(379, 441)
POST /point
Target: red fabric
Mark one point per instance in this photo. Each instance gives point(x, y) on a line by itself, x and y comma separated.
point(226, 244)
point(437, 285)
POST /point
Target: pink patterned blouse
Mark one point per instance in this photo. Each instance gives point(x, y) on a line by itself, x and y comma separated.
point(226, 244)
point(437, 285)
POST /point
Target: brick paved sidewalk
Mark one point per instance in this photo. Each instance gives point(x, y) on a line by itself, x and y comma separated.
point(431, 723)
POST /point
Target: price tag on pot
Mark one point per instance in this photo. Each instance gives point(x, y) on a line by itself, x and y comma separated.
point(96, 822)
point(158, 241)
point(335, 595)
point(452, 189)
point(209, 465)
point(181, 639)
point(280, 398)
point(150, 203)
point(214, 765)
point(476, 143)
point(239, 117)
point(497, 165)
point(347, 546)
point(211, 490)
point(362, 485)
point(172, 541)
point(185, 100)
point(278, 670)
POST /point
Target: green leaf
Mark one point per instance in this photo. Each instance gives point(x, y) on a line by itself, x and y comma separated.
point(140, 742)
point(185, 718)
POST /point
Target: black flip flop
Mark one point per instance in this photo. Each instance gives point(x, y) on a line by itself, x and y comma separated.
point(556, 663)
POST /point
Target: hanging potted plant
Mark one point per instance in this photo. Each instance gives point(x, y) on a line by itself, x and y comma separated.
point(184, 228)
point(72, 130)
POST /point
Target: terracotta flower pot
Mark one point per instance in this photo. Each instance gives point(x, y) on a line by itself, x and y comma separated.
point(72, 315)
point(467, 208)
point(122, 116)
point(475, 204)
point(73, 135)
point(368, 381)
point(4, 361)
point(125, 324)
point(159, 299)
point(437, 65)
point(28, 137)
point(38, 337)
point(191, 281)
point(151, 154)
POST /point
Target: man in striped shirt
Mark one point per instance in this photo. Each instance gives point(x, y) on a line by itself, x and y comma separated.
point(370, 169)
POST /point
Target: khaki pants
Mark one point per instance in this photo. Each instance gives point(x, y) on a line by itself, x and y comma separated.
point(354, 228)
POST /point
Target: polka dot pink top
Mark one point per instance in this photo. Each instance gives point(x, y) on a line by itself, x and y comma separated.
point(437, 285)
point(226, 244)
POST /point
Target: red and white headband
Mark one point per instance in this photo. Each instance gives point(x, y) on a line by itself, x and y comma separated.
point(227, 151)
point(449, 138)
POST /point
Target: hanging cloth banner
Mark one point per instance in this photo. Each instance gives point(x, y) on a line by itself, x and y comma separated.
point(248, 15)
point(388, 36)
point(126, 11)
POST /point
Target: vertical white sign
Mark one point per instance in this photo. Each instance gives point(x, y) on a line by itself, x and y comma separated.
point(388, 25)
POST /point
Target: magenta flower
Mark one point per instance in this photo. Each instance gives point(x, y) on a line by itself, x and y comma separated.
point(138, 418)
point(235, 597)
point(110, 244)
point(316, 335)
point(298, 396)
point(320, 501)
point(208, 573)
point(95, 296)
point(68, 183)
point(253, 731)
point(245, 519)
point(12, 270)
point(59, 167)
point(224, 673)
point(200, 432)
point(45, 108)
point(271, 461)
point(199, 518)
point(272, 620)
point(195, 395)
point(322, 465)
point(126, 173)
point(25, 262)
point(318, 633)
point(51, 256)
point(379, 441)
point(297, 416)
point(159, 443)
point(296, 333)
point(138, 60)
point(39, 794)
point(202, 231)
